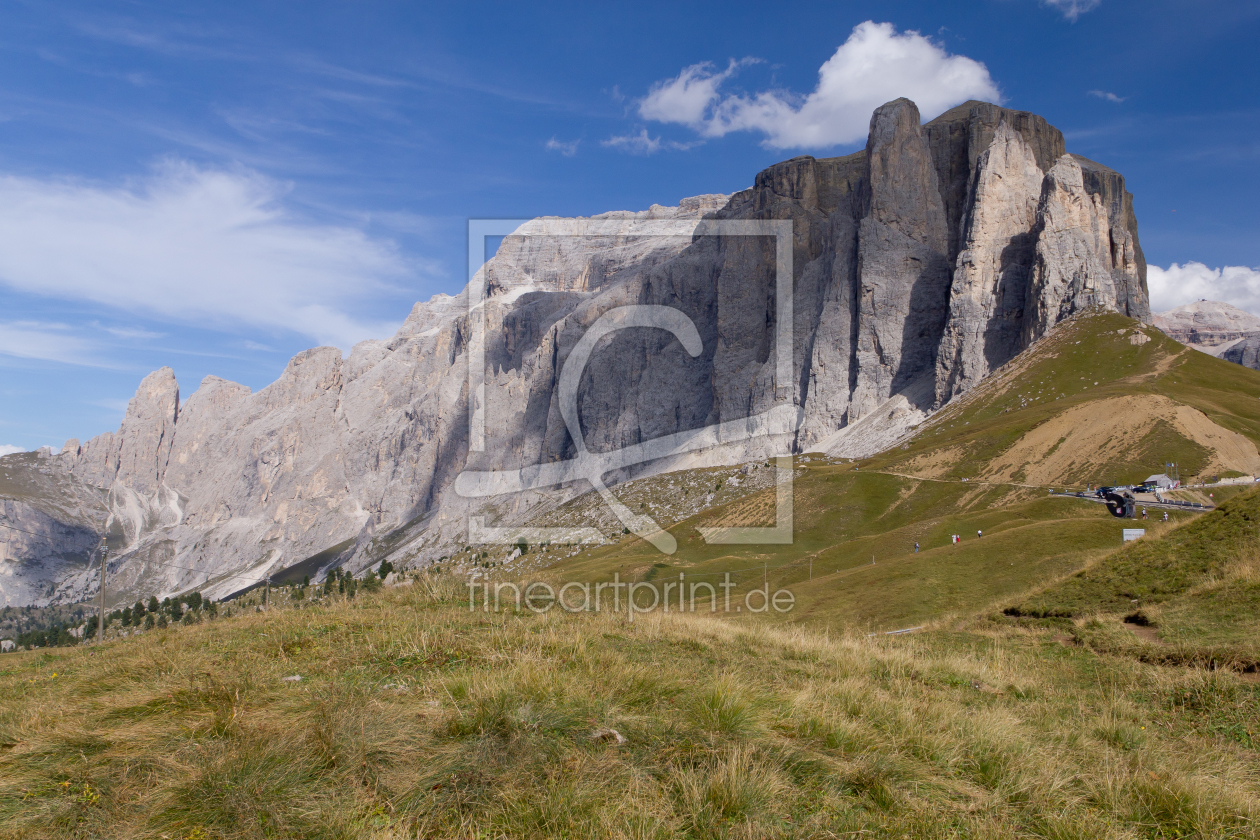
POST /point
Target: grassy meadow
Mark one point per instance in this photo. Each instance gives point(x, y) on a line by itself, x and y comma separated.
point(415, 717)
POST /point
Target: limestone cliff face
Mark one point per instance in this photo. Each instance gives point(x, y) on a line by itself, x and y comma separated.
point(921, 263)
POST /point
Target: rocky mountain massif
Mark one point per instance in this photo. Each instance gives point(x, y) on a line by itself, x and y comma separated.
point(920, 264)
point(1217, 329)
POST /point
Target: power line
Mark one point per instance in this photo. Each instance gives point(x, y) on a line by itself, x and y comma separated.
point(32, 533)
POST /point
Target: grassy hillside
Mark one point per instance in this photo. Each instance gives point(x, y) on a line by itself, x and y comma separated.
point(852, 561)
point(415, 717)
point(1102, 399)
point(1192, 596)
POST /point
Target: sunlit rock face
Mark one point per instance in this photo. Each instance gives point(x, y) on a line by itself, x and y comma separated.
point(920, 264)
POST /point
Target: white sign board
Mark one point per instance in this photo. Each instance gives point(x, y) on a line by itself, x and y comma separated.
point(1134, 533)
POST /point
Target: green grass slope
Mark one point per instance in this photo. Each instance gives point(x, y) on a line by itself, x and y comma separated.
point(1154, 569)
point(1088, 367)
point(416, 718)
point(852, 561)
point(1191, 595)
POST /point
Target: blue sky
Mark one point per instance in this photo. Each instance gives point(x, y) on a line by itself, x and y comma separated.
point(218, 186)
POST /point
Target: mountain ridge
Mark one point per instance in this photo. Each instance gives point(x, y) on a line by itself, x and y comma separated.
point(921, 264)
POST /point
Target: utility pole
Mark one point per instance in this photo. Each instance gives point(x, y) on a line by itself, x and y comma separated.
point(100, 618)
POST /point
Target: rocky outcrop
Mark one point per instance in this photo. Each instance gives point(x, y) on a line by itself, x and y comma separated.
point(1081, 261)
point(1210, 326)
point(920, 264)
point(141, 447)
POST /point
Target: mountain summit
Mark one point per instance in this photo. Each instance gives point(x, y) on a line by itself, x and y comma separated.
point(919, 265)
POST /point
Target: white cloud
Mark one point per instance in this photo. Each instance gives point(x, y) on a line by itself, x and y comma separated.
point(644, 144)
point(1181, 284)
point(1110, 97)
point(6, 449)
point(206, 247)
point(875, 65)
point(1073, 9)
point(568, 149)
point(50, 343)
point(261, 348)
point(686, 98)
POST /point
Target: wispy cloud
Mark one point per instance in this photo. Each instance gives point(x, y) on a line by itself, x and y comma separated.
point(131, 332)
point(568, 149)
point(644, 144)
point(1110, 97)
point(50, 342)
point(7, 449)
point(262, 348)
point(1072, 9)
point(876, 64)
point(193, 245)
point(119, 405)
point(1181, 284)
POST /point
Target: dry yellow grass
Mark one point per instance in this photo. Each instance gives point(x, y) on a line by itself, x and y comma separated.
point(415, 718)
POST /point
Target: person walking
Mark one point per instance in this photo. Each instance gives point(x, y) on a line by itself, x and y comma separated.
point(916, 548)
point(979, 533)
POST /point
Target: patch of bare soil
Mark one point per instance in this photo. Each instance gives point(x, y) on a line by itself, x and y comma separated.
point(1091, 433)
point(934, 464)
point(1146, 634)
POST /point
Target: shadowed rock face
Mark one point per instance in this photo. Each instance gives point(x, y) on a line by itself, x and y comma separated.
point(1245, 353)
point(920, 264)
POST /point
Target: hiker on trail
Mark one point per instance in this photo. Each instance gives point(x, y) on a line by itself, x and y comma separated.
point(979, 534)
point(916, 548)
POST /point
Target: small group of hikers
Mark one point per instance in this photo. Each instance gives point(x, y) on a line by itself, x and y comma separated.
point(954, 539)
